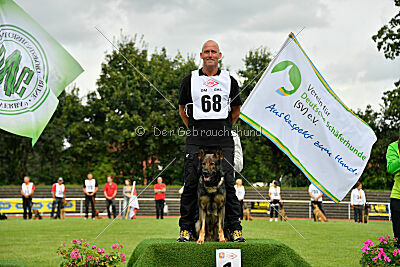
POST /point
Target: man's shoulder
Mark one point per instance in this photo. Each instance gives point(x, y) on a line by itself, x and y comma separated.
point(187, 78)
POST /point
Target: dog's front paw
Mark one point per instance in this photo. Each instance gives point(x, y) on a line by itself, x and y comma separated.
point(223, 240)
point(200, 241)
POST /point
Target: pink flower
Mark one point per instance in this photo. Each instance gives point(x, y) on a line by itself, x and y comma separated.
point(123, 258)
point(105, 255)
point(365, 249)
point(396, 252)
point(94, 247)
point(73, 254)
point(387, 259)
point(120, 246)
point(86, 244)
point(368, 243)
point(101, 250)
point(89, 258)
point(382, 239)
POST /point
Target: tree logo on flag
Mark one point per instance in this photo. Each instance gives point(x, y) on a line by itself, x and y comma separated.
point(294, 76)
point(23, 71)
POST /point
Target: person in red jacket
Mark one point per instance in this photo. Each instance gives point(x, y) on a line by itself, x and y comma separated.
point(110, 191)
point(159, 191)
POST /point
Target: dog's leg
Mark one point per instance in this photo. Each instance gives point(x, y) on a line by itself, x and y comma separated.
point(203, 227)
point(221, 217)
point(203, 205)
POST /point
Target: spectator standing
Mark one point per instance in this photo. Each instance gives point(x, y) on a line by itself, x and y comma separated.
point(58, 191)
point(159, 196)
point(90, 188)
point(27, 190)
point(275, 196)
point(110, 191)
point(127, 189)
point(358, 201)
point(240, 192)
point(316, 199)
point(393, 167)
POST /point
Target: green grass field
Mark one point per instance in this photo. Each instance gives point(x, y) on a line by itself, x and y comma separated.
point(335, 243)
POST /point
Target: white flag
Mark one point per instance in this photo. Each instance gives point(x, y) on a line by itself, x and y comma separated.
point(34, 70)
point(296, 109)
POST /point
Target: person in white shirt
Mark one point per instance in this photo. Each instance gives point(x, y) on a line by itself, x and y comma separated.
point(358, 201)
point(27, 189)
point(90, 188)
point(316, 198)
point(275, 196)
point(240, 195)
point(58, 191)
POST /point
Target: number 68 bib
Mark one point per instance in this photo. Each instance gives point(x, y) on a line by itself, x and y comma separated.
point(210, 95)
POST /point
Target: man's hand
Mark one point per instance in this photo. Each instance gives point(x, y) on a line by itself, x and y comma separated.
point(235, 113)
point(183, 115)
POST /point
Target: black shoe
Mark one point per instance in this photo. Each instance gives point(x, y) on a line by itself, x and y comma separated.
point(185, 236)
point(237, 236)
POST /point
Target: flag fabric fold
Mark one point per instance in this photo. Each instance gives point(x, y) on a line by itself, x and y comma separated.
point(34, 70)
point(298, 111)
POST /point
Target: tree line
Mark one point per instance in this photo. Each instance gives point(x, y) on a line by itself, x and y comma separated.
point(97, 133)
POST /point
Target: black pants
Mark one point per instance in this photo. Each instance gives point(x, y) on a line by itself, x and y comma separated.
point(395, 213)
point(57, 202)
point(358, 213)
point(90, 199)
point(320, 206)
point(241, 209)
point(160, 208)
point(189, 209)
point(274, 208)
point(114, 210)
point(27, 206)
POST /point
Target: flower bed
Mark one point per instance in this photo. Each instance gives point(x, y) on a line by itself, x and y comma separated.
point(385, 253)
point(81, 253)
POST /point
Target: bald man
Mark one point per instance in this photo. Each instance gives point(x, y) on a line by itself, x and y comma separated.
point(209, 103)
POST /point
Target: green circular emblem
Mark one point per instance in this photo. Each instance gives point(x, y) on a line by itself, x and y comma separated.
point(23, 71)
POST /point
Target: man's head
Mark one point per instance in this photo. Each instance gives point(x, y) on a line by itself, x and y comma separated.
point(90, 176)
point(159, 180)
point(127, 182)
point(27, 179)
point(109, 179)
point(60, 180)
point(210, 54)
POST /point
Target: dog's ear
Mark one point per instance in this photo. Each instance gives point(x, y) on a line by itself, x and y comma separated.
point(201, 153)
point(218, 154)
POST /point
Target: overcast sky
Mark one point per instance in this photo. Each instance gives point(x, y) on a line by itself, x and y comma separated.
point(337, 34)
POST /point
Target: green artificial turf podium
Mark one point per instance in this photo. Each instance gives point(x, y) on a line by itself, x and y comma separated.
point(255, 252)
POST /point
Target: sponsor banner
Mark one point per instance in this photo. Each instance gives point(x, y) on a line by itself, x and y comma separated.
point(378, 210)
point(34, 70)
point(228, 257)
point(260, 207)
point(298, 111)
point(15, 206)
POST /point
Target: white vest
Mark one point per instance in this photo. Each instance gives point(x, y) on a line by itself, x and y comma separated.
point(90, 185)
point(60, 189)
point(27, 189)
point(210, 95)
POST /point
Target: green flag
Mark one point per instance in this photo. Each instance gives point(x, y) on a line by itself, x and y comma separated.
point(34, 70)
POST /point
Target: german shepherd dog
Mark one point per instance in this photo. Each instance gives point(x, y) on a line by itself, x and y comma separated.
point(282, 214)
point(36, 215)
point(365, 215)
point(319, 215)
point(211, 195)
point(246, 212)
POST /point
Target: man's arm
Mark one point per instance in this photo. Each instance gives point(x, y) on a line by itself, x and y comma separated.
point(235, 113)
point(183, 115)
point(105, 191)
point(164, 189)
point(33, 190)
point(115, 192)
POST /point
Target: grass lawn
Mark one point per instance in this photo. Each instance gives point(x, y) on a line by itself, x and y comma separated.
point(335, 243)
